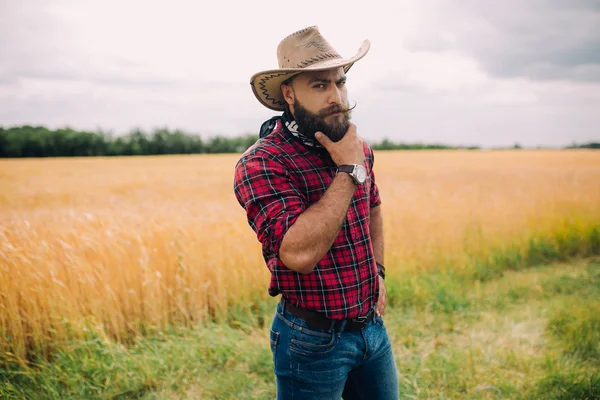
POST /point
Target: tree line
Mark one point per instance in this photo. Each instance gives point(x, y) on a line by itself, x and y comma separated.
point(38, 141)
point(387, 144)
point(591, 145)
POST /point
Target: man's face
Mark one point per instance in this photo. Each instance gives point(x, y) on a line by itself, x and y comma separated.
point(319, 102)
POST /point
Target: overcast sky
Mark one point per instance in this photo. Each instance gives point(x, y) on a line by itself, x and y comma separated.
point(468, 72)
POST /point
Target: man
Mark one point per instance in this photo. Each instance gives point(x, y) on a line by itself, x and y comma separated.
point(309, 192)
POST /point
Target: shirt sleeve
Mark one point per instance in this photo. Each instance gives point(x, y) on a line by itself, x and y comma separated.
point(375, 199)
point(273, 204)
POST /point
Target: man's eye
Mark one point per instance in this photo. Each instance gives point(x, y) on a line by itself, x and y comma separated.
point(319, 86)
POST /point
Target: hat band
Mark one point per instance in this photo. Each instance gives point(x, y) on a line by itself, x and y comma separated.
point(317, 58)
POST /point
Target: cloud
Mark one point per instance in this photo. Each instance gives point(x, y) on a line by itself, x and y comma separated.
point(101, 73)
point(538, 39)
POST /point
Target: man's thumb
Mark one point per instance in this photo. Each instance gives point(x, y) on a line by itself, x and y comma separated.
point(322, 138)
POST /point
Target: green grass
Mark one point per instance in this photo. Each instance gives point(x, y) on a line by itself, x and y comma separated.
point(577, 327)
point(576, 240)
point(569, 386)
point(212, 359)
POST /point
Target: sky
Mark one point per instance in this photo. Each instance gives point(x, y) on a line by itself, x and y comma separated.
point(471, 72)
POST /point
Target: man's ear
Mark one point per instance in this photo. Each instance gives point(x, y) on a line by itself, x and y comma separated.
point(288, 94)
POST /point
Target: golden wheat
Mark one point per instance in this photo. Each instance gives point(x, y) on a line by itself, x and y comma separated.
point(119, 245)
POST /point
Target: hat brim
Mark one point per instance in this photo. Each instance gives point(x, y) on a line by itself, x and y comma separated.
point(266, 85)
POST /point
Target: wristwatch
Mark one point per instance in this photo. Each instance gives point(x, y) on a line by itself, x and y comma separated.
point(380, 270)
point(356, 171)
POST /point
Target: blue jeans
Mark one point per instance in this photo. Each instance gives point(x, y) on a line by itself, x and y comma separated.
point(324, 364)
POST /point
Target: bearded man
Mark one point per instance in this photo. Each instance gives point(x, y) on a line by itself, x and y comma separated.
point(308, 189)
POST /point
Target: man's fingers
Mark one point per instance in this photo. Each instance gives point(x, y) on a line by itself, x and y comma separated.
point(380, 307)
point(351, 130)
point(323, 139)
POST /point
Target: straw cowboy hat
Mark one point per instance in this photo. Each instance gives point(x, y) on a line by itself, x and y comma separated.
point(305, 50)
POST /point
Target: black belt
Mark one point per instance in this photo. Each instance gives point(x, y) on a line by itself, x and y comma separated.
point(317, 320)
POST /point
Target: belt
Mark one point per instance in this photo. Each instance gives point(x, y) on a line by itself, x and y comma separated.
point(317, 320)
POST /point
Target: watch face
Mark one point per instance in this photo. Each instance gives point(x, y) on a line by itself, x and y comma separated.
point(361, 174)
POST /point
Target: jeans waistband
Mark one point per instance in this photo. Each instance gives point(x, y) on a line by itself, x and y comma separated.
point(318, 320)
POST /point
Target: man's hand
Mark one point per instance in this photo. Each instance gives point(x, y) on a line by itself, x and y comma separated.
point(382, 301)
point(348, 150)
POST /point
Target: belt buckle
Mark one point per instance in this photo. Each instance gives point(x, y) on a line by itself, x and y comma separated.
point(363, 320)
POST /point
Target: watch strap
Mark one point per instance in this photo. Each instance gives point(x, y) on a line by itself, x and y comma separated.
point(380, 270)
point(349, 168)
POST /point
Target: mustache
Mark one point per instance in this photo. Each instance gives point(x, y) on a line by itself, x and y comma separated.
point(334, 109)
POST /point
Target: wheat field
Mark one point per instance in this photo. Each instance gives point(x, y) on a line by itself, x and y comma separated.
point(121, 246)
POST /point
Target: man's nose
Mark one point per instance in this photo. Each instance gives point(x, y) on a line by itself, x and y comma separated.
point(335, 95)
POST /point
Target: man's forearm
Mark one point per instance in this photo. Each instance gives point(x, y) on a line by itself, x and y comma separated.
point(376, 229)
point(315, 230)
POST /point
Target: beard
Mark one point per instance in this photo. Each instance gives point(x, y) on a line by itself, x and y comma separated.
point(310, 123)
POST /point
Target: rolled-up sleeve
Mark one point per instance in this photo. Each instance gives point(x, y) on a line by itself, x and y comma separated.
point(264, 189)
point(374, 198)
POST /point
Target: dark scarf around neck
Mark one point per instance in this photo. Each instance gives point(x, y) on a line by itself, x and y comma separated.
point(291, 126)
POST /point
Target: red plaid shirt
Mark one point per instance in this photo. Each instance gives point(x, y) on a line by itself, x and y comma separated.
point(275, 181)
